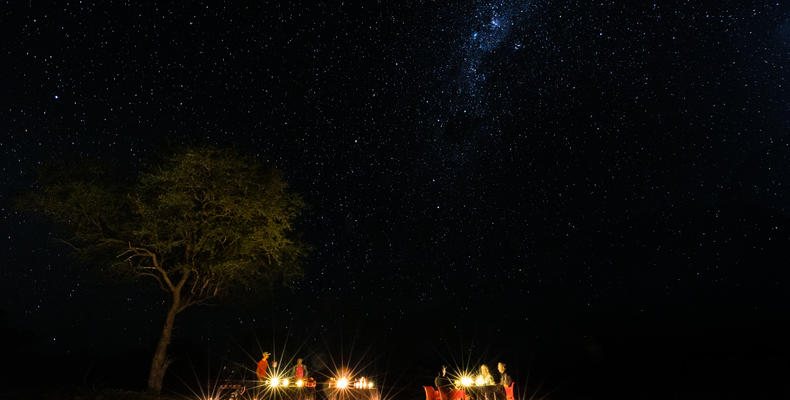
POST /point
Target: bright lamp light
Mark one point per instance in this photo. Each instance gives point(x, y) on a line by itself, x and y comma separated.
point(467, 381)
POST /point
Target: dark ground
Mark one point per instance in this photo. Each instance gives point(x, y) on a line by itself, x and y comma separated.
point(637, 359)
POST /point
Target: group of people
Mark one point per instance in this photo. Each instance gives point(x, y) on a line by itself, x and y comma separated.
point(483, 379)
point(299, 370)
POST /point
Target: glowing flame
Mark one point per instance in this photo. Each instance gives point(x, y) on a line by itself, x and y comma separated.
point(342, 383)
point(480, 381)
point(299, 383)
point(361, 383)
point(467, 381)
point(275, 381)
point(285, 382)
point(370, 385)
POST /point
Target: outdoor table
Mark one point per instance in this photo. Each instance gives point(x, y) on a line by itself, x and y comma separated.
point(238, 388)
point(333, 393)
point(291, 393)
point(481, 392)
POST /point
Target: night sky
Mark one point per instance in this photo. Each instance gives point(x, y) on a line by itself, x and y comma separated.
point(595, 192)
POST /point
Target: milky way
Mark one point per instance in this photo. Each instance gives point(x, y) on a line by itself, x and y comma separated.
point(490, 25)
point(480, 40)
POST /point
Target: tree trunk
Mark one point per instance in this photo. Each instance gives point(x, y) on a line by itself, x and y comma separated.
point(161, 361)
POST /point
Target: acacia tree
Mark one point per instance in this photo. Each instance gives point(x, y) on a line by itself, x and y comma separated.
point(203, 223)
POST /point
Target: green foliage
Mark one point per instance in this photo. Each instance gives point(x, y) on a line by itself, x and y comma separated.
point(219, 212)
point(215, 217)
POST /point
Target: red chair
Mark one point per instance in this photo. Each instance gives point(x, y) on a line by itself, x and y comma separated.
point(509, 392)
point(431, 393)
point(443, 394)
point(457, 394)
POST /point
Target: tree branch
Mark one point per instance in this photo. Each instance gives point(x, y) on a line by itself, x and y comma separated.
point(158, 279)
point(202, 289)
point(133, 253)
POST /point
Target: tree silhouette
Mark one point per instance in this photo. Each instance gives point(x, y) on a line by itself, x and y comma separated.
point(199, 225)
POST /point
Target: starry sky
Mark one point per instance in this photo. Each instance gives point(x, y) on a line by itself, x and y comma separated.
point(535, 179)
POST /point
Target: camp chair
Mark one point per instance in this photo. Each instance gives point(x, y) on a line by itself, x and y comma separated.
point(431, 393)
point(457, 394)
point(509, 391)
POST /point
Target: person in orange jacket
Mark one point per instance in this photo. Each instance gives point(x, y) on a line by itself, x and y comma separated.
point(262, 366)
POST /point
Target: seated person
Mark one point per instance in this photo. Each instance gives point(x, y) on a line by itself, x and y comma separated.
point(504, 377)
point(443, 383)
point(504, 381)
point(300, 370)
point(485, 379)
